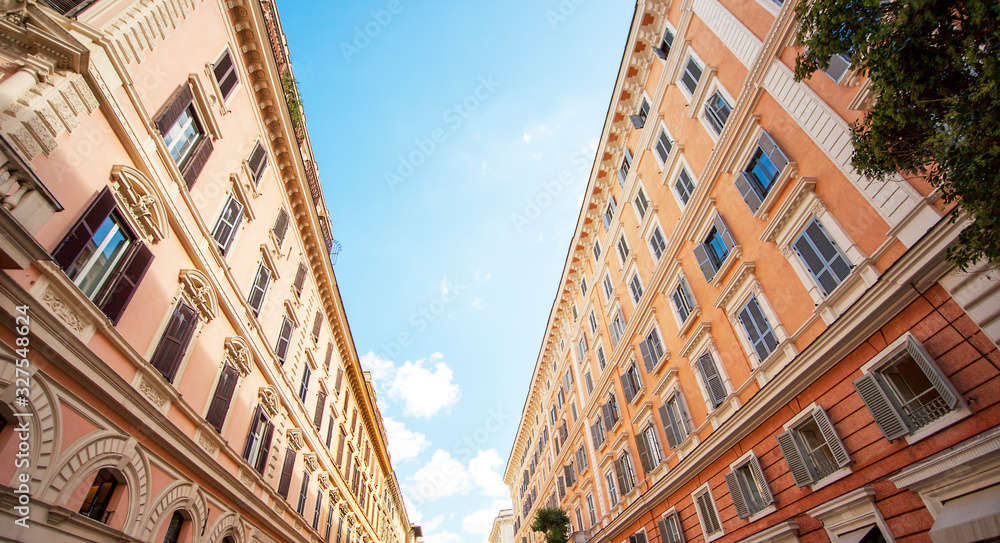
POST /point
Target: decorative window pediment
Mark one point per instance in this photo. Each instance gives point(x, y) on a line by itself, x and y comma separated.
point(268, 396)
point(206, 112)
point(270, 258)
point(310, 462)
point(295, 438)
point(198, 288)
point(140, 203)
point(238, 354)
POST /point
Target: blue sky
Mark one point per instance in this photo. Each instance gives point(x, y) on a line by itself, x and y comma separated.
point(454, 145)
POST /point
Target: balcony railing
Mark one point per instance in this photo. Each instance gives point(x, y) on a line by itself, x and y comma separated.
point(99, 514)
point(582, 536)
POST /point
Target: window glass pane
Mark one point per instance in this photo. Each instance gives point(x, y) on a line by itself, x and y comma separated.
point(762, 171)
point(182, 135)
point(717, 248)
point(692, 73)
point(915, 393)
point(819, 453)
point(684, 186)
point(99, 256)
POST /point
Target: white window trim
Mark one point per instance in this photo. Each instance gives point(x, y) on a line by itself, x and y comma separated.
point(221, 101)
point(688, 53)
point(742, 461)
point(671, 177)
point(712, 85)
point(699, 343)
point(801, 417)
point(650, 206)
point(850, 512)
point(705, 489)
point(694, 315)
point(648, 237)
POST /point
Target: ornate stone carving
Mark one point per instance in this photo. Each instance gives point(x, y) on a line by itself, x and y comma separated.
point(787, 251)
point(246, 478)
point(268, 396)
point(139, 200)
point(324, 480)
point(239, 355)
point(207, 442)
point(198, 288)
point(65, 313)
point(309, 460)
point(15, 11)
point(152, 393)
point(295, 438)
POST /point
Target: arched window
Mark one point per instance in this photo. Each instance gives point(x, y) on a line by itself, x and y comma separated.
point(95, 505)
point(174, 530)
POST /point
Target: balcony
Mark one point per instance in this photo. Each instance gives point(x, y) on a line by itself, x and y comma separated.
point(579, 537)
point(26, 204)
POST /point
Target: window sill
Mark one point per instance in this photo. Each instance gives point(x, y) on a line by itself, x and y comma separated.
point(951, 418)
point(725, 410)
point(832, 478)
point(762, 513)
point(784, 353)
point(734, 254)
point(789, 172)
point(847, 292)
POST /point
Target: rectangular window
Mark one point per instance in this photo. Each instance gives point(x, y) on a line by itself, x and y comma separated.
point(583, 287)
point(691, 75)
point(259, 289)
point(676, 419)
point(304, 384)
point(591, 510)
point(757, 328)
point(623, 169)
point(284, 338)
point(639, 119)
point(650, 452)
point(748, 488)
point(712, 380)
point(257, 163)
point(670, 528)
point(317, 509)
point(602, 361)
point(228, 224)
point(683, 300)
point(597, 431)
point(837, 67)
point(812, 449)
point(684, 185)
point(597, 250)
point(174, 341)
point(303, 493)
point(286, 472)
point(609, 478)
point(622, 248)
point(318, 415)
point(717, 111)
point(280, 228)
point(651, 349)
point(609, 289)
point(259, 441)
point(708, 515)
point(641, 203)
point(908, 392)
point(663, 146)
point(609, 213)
point(581, 459)
point(631, 382)
point(223, 396)
point(224, 71)
point(712, 253)
point(592, 319)
point(590, 382)
point(766, 163)
point(581, 347)
point(822, 256)
point(183, 135)
point(657, 243)
point(635, 287)
point(617, 327)
point(664, 49)
point(626, 473)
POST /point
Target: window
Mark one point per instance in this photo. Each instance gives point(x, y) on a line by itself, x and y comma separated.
point(280, 228)
point(174, 341)
point(812, 449)
point(676, 419)
point(592, 319)
point(590, 382)
point(623, 169)
point(257, 163)
point(329, 521)
point(822, 256)
point(712, 253)
point(639, 119)
point(748, 488)
point(609, 478)
point(635, 287)
point(320, 405)
point(670, 528)
point(657, 243)
point(622, 248)
point(560, 397)
point(648, 445)
point(602, 361)
point(223, 396)
point(581, 347)
point(766, 163)
point(583, 286)
point(609, 289)
point(225, 74)
point(757, 328)
point(631, 382)
point(691, 75)
point(664, 49)
point(683, 300)
point(708, 515)
point(284, 339)
point(102, 256)
point(715, 388)
point(303, 493)
point(95, 505)
point(651, 349)
point(638, 537)
point(663, 146)
point(581, 459)
point(609, 213)
point(597, 250)
point(591, 510)
point(617, 327)
point(641, 203)
point(717, 111)
point(838, 66)
point(626, 472)
point(684, 186)
point(174, 528)
point(908, 392)
point(259, 288)
point(610, 412)
point(183, 134)
point(258, 441)
point(228, 224)
point(286, 472)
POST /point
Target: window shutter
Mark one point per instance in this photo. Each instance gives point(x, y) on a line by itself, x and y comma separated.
point(705, 263)
point(281, 226)
point(329, 357)
point(561, 483)
point(340, 379)
point(225, 74)
point(647, 355)
point(83, 231)
point(286, 472)
point(640, 445)
point(933, 373)
point(708, 515)
point(176, 105)
point(747, 191)
point(772, 151)
point(620, 475)
point(329, 430)
point(120, 288)
point(300, 279)
point(640, 537)
point(831, 437)
point(304, 384)
point(195, 162)
point(340, 448)
point(686, 425)
point(284, 337)
point(795, 460)
point(253, 431)
point(223, 396)
point(317, 325)
point(637, 121)
point(257, 162)
point(737, 494)
point(259, 288)
point(881, 407)
point(720, 227)
point(265, 447)
point(679, 305)
point(608, 422)
point(757, 329)
point(758, 474)
point(670, 426)
point(713, 381)
point(594, 434)
point(629, 389)
point(318, 417)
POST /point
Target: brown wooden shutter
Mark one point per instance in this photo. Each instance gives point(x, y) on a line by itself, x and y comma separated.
point(317, 325)
point(329, 356)
point(284, 337)
point(318, 417)
point(120, 288)
point(286, 472)
point(300, 279)
point(258, 161)
point(174, 342)
point(170, 111)
point(223, 396)
point(83, 231)
point(340, 447)
point(225, 74)
point(265, 447)
point(281, 226)
point(195, 162)
point(253, 431)
point(340, 381)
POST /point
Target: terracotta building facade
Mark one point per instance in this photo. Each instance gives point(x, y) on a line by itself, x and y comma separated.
point(751, 341)
point(176, 361)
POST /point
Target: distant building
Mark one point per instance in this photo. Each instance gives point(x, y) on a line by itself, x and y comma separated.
point(503, 527)
point(750, 341)
point(176, 361)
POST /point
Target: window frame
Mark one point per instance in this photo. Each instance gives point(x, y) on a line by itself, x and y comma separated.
point(746, 475)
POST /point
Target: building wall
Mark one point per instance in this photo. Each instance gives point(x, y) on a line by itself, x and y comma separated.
point(893, 233)
point(85, 120)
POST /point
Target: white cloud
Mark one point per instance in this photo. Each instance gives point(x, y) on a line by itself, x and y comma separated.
point(403, 443)
point(432, 524)
point(532, 133)
point(424, 391)
point(442, 476)
point(481, 521)
point(482, 276)
point(380, 368)
point(443, 537)
point(484, 470)
point(477, 303)
point(526, 137)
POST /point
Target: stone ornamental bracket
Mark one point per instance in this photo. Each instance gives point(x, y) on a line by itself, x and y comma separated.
point(324, 480)
point(139, 200)
point(310, 461)
point(295, 439)
point(198, 288)
point(268, 396)
point(238, 354)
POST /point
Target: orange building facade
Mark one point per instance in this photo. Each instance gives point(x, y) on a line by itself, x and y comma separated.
point(750, 341)
point(176, 361)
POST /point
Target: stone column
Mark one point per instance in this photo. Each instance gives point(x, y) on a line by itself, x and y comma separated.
point(15, 86)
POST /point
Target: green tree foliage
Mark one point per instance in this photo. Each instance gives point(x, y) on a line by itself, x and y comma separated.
point(934, 67)
point(553, 522)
